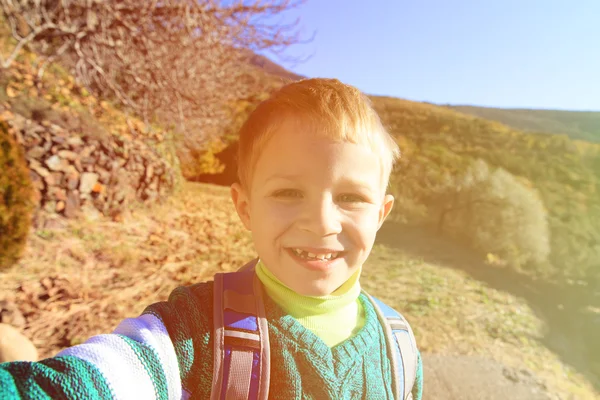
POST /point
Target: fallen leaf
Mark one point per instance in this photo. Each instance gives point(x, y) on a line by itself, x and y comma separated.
point(98, 188)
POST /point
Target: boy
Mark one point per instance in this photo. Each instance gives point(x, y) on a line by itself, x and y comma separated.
point(313, 167)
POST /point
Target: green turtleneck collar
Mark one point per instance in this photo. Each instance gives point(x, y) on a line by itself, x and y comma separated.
point(334, 318)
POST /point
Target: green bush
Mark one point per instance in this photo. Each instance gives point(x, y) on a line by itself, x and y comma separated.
point(16, 199)
point(498, 213)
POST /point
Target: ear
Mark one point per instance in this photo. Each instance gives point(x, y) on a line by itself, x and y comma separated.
point(241, 203)
point(386, 207)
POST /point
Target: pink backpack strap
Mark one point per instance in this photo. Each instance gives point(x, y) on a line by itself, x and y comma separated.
point(241, 337)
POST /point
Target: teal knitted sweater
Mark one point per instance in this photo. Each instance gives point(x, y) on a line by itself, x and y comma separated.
point(167, 353)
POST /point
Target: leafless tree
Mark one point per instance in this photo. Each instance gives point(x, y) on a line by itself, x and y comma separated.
point(182, 59)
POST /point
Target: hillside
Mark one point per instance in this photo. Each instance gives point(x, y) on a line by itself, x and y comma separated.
point(564, 171)
point(79, 269)
point(581, 125)
point(83, 274)
point(273, 69)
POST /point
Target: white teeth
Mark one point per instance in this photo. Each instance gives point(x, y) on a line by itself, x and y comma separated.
point(305, 254)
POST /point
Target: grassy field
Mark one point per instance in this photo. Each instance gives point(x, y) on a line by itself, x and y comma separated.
point(79, 278)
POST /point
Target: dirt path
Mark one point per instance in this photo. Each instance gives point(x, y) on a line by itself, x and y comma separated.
point(477, 378)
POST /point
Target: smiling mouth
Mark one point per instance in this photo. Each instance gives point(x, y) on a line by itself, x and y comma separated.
point(316, 257)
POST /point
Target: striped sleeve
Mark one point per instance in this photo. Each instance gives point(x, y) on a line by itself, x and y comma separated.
point(53, 378)
point(136, 361)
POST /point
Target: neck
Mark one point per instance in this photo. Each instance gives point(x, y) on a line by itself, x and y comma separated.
point(300, 306)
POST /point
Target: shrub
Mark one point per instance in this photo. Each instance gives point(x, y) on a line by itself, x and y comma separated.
point(16, 199)
point(498, 213)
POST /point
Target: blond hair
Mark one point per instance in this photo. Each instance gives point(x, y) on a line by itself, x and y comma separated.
point(333, 109)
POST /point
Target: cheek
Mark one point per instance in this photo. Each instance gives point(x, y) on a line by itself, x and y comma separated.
point(364, 228)
point(277, 212)
point(271, 218)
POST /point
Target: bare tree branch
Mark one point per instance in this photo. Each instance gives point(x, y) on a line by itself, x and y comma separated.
point(180, 59)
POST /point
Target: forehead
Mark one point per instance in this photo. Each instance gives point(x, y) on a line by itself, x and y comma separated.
point(306, 154)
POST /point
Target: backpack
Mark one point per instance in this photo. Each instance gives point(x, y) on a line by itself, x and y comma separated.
point(241, 340)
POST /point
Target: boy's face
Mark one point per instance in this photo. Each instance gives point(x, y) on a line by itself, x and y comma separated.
point(310, 192)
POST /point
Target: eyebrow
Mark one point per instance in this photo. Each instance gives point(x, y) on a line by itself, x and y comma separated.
point(292, 177)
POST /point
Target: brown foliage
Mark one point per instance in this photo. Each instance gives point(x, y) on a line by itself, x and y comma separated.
point(182, 58)
point(77, 278)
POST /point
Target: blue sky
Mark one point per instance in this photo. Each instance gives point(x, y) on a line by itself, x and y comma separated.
point(497, 53)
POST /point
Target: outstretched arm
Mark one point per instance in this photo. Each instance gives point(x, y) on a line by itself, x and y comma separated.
point(137, 360)
point(159, 354)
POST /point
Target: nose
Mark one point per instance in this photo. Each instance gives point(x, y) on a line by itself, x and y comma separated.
point(321, 218)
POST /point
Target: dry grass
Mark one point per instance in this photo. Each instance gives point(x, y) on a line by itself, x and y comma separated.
point(82, 277)
point(100, 272)
point(454, 314)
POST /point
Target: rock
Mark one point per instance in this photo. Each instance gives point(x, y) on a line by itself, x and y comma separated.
point(88, 181)
point(47, 145)
point(36, 180)
point(72, 204)
point(78, 165)
point(119, 197)
point(57, 193)
point(57, 178)
point(56, 130)
point(14, 346)
point(68, 155)
point(41, 171)
point(59, 139)
point(36, 152)
point(86, 152)
point(72, 180)
point(55, 163)
point(90, 212)
point(149, 172)
point(70, 170)
point(75, 141)
point(104, 175)
point(87, 161)
point(50, 206)
point(49, 179)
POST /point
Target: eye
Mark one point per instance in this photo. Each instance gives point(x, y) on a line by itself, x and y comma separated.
point(351, 198)
point(293, 193)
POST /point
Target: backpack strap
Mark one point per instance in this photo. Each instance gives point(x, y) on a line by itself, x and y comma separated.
point(241, 338)
point(401, 346)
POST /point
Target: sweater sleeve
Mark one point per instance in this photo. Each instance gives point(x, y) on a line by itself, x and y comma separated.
point(137, 360)
point(417, 390)
point(140, 359)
